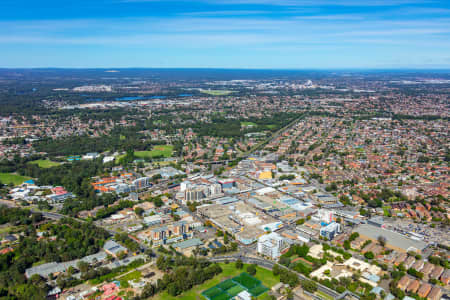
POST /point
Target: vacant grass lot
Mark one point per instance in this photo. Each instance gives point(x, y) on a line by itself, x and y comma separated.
point(229, 270)
point(45, 163)
point(124, 280)
point(7, 178)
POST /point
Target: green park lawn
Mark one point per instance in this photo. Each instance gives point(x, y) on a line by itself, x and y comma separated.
point(248, 124)
point(7, 178)
point(216, 92)
point(229, 270)
point(44, 163)
point(162, 150)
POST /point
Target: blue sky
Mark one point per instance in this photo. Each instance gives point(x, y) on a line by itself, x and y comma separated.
point(282, 34)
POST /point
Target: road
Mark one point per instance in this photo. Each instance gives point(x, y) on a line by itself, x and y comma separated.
point(273, 136)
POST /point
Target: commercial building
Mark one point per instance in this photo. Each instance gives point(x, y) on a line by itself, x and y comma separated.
point(188, 244)
point(159, 233)
point(271, 245)
point(122, 188)
point(196, 189)
point(324, 215)
point(323, 198)
point(239, 219)
point(141, 183)
point(330, 231)
point(227, 184)
point(152, 220)
point(195, 193)
point(376, 221)
point(168, 172)
point(113, 248)
point(178, 228)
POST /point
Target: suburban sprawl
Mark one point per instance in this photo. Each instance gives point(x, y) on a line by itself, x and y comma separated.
point(224, 184)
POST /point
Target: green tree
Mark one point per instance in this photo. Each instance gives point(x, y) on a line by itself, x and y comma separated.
point(239, 264)
point(309, 286)
point(251, 269)
point(139, 211)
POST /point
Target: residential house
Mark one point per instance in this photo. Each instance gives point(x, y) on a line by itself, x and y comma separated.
point(445, 277)
point(437, 272)
point(409, 262)
point(413, 286)
point(403, 283)
point(435, 293)
point(424, 289)
point(418, 265)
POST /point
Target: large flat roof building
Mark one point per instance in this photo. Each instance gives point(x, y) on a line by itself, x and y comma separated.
point(113, 248)
point(188, 244)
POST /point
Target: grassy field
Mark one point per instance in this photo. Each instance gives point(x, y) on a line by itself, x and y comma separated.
point(162, 163)
point(135, 275)
point(163, 150)
point(216, 92)
point(5, 229)
point(323, 295)
point(229, 271)
point(118, 273)
point(248, 124)
point(7, 178)
point(232, 287)
point(271, 126)
point(44, 163)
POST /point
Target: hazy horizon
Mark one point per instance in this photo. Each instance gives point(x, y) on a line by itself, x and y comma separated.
point(249, 34)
